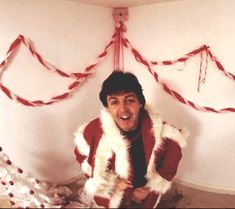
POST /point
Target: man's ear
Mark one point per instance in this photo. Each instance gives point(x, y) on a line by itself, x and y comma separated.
point(141, 107)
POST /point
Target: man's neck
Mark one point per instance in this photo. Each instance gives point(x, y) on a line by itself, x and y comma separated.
point(133, 134)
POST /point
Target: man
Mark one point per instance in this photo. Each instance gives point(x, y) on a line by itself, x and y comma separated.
point(128, 154)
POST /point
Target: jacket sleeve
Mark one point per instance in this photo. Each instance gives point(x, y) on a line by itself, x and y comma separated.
point(151, 200)
point(167, 156)
point(100, 181)
point(82, 150)
point(170, 154)
point(168, 159)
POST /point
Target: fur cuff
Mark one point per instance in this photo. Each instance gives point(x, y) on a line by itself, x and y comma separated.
point(158, 184)
point(101, 186)
point(175, 134)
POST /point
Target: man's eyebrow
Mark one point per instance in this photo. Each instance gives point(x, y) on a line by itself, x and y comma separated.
point(112, 97)
point(131, 95)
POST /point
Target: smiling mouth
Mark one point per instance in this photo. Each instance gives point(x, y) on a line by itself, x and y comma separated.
point(125, 117)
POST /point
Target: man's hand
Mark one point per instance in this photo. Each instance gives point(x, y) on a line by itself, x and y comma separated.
point(139, 194)
point(123, 184)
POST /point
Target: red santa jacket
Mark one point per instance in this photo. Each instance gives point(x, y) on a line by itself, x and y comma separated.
point(103, 155)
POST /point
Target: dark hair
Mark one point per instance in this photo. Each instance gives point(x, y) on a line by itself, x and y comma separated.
point(121, 81)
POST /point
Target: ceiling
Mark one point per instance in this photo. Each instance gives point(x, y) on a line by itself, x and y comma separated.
point(121, 3)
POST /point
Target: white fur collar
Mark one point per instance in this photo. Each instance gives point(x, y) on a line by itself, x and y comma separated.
point(114, 139)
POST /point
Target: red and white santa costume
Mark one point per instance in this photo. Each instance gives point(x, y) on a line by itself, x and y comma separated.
point(104, 156)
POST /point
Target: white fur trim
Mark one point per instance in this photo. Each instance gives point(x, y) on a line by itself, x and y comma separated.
point(117, 144)
point(175, 134)
point(157, 183)
point(80, 142)
point(156, 127)
point(116, 199)
point(104, 181)
point(90, 187)
point(156, 121)
point(86, 167)
point(83, 148)
point(101, 186)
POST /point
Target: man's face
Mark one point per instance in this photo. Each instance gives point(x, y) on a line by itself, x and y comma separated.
point(124, 108)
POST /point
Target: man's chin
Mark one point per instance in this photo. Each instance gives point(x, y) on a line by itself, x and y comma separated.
point(127, 129)
point(124, 129)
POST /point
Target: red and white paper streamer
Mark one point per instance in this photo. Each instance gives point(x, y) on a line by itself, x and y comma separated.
point(77, 76)
point(169, 90)
point(118, 40)
point(25, 191)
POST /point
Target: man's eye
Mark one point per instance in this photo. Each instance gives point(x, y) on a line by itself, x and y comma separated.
point(114, 102)
point(131, 100)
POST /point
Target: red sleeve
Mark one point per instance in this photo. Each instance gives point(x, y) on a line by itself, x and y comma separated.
point(101, 201)
point(168, 159)
point(151, 200)
point(79, 157)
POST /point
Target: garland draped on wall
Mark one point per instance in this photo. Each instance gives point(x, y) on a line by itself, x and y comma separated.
point(77, 77)
point(174, 93)
point(124, 42)
point(25, 191)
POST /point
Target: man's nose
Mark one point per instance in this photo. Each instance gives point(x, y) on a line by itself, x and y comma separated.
point(123, 106)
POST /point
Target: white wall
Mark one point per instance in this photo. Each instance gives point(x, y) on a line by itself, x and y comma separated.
point(70, 35)
point(168, 31)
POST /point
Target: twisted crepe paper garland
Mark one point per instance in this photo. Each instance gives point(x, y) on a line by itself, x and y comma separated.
point(139, 58)
point(81, 76)
point(22, 189)
point(77, 76)
point(38, 195)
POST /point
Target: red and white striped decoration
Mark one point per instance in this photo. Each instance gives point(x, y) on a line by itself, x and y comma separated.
point(22, 189)
point(25, 191)
point(79, 77)
point(203, 48)
point(220, 66)
point(88, 70)
point(169, 90)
